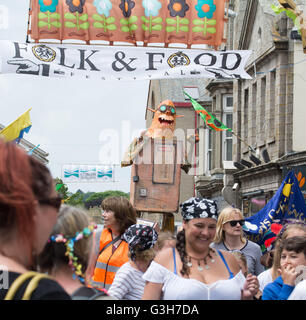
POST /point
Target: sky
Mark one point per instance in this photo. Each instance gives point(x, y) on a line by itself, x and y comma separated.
point(75, 121)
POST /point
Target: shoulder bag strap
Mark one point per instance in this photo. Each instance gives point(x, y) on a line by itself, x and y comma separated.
point(110, 243)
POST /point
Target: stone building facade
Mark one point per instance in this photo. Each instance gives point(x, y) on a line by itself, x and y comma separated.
point(267, 112)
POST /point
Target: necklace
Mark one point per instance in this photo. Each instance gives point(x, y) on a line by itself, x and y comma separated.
point(200, 268)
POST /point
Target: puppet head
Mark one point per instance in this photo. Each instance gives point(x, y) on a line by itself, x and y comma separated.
point(164, 121)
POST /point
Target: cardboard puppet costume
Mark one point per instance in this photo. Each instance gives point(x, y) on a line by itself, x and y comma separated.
point(162, 127)
point(157, 158)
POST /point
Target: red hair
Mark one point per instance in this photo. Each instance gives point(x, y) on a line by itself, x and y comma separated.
point(22, 181)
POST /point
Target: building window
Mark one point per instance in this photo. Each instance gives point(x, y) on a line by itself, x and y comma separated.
point(208, 151)
point(193, 92)
point(227, 136)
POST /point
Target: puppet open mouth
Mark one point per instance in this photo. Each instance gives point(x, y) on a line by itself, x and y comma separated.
point(164, 121)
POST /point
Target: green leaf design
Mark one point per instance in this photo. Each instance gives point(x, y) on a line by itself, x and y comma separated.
point(198, 22)
point(84, 17)
point(144, 27)
point(170, 21)
point(85, 25)
point(70, 24)
point(144, 19)
point(111, 27)
point(133, 19)
point(184, 28)
point(133, 27)
point(55, 15)
point(69, 16)
point(42, 24)
point(110, 20)
point(184, 21)
point(124, 22)
point(98, 25)
point(211, 30)
point(157, 20)
point(97, 17)
point(42, 15)
point(157, 27)
point(56, 24)
point(212, 22)
point(125, 29)
point(170, 29)
point(197, 29)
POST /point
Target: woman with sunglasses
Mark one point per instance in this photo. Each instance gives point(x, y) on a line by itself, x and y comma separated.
point(230, 237)
point(194, 271)
point(29, 207)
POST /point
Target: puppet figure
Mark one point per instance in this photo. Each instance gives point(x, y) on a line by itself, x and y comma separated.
point(152, 182)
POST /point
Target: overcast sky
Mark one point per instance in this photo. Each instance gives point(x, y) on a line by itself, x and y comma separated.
point(73, 120)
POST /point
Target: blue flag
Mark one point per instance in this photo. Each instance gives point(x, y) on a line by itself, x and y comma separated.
point(287, 203)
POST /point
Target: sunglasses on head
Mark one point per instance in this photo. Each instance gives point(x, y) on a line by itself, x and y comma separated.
point(233, 223)
point(164, 108)
point(53, 202)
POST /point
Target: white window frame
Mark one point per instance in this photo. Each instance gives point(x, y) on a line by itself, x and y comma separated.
point(208, 152)
point(225, 111)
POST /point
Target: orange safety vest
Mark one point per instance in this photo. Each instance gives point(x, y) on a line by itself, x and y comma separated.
point(108, 262)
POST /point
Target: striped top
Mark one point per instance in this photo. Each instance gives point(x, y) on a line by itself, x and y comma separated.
point(128, 284)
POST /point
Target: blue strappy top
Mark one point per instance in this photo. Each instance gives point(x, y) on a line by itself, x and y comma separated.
point(221, 256)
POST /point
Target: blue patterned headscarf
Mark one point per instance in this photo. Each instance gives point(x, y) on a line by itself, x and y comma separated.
point(139, 237)
point(199, 208)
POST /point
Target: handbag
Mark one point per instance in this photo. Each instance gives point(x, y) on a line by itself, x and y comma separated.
point(32, 285)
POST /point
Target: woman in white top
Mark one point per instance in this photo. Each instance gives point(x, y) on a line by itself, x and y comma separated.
point(193, 270)
point(128, 283)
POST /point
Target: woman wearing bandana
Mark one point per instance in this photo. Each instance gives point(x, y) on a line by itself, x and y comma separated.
point(128, 283)
point(193, 270)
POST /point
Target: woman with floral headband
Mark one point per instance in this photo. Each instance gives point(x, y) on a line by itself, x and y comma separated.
point(66, 255)
point(193, 270)
point(128, 283)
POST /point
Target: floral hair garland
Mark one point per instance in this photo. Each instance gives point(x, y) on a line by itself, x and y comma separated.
point(69, 243)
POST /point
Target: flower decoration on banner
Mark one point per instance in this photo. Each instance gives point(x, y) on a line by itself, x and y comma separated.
point(47, 15)
point(79, 20)
point(177, 8)
point(103, 7)
point(126, 7)
point(102, 20)
point(271, 236)
point(129, 22)
point(205, 8)
point(48, 5)
point(76, 5)
point(152, 8)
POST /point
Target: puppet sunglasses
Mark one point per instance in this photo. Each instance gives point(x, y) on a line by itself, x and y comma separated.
point(164, 108)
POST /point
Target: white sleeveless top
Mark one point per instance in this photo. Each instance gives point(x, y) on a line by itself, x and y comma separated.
point(178, 288)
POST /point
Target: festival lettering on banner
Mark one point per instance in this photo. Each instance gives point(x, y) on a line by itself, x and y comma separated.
point(147, 21)
point(121, 63)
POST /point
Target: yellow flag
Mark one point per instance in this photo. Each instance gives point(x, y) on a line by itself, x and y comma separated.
point(17, 128)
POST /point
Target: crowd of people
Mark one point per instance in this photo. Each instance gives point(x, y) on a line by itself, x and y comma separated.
point(52, 251)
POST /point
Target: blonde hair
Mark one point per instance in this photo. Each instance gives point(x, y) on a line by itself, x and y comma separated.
point(144, 255)
point(163, 237)
point(278, 243)
point(225, 215)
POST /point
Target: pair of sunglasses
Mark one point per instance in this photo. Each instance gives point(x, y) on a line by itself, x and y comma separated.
point(233, 223)
point(163, 108)
point(53, 202)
